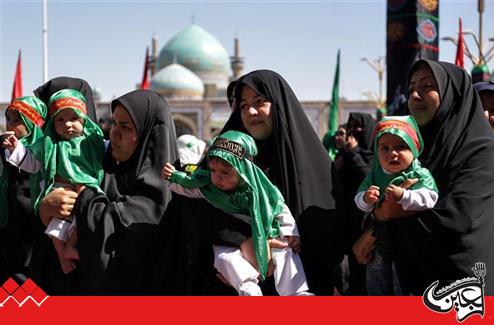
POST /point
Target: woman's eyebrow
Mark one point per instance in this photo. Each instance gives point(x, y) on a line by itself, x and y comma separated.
point(255, 97)
point(421, 79)
point(124, 123)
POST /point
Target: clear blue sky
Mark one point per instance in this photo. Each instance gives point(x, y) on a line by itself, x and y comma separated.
point(104, 41)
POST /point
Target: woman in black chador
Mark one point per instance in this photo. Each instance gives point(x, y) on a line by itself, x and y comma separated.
point(118, 232)
point(45, 91)
point(356, 162)
point(292, 156)
point(30, 251)
point(445, 242)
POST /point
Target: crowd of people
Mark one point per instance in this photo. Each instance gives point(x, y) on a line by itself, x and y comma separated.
point(265, 208)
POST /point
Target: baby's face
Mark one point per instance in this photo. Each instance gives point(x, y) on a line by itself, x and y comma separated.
point(223, 176)
point(15, 124)
point(393, 153)
point(68, 124)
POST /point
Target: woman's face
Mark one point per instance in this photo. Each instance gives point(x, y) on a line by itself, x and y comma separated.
point(340, 138)
point(256, 114)
point(15, 124)
point(123, 135)
point(354, 129)
point(424, 97)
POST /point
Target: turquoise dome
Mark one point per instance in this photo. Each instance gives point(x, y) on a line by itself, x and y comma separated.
point(176, 80)
point(200, 52)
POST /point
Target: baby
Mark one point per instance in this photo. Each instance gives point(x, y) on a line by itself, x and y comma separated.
point(398, 144)
point(237, 186)
point(70, 155)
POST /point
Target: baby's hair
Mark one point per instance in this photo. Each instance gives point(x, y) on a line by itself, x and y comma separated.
point(220, 160)
point(226, 164)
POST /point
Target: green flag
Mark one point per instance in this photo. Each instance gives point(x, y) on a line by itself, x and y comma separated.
point(328, 140)
point(333, 110)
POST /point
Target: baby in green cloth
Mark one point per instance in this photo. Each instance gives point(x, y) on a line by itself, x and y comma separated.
point(25, 118)
point(237, 186)
point(70, 155)
point(397, 145)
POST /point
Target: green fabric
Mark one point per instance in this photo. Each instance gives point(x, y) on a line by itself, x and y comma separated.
point(328, 141)
point(333, 113)
point(256, 197)
point(408, 138)
point(34, 133)
point(78, 160)
point(378, 177)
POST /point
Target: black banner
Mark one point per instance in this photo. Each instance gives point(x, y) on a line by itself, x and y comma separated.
point(412, 34)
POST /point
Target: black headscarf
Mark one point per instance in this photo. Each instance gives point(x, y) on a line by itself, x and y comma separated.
point(45, 91)
point(229, 91)
point(297, 163)
point(118, 232)
point(459, 152)
point(356, 164)
point(367, 123)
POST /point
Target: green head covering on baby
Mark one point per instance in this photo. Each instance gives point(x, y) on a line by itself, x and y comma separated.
point(32, 112)
point(256, 196)
point(77, 160)
point(407, 129)
point(403, 126)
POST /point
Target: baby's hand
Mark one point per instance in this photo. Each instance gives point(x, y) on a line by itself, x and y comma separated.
point(10, 142)
point(167, 171)
point(371, 196)
point(393, 193)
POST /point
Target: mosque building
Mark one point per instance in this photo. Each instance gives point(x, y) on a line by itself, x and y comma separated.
point(192, 71)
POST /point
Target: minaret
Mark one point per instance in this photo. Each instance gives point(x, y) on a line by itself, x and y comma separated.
point(154, 54)
point(236, 60)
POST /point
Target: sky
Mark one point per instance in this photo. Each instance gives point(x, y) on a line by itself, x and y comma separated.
point(104, 42)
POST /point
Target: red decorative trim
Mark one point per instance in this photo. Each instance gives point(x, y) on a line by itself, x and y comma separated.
point(28, 111)
point(400, 125)
point(67, 103)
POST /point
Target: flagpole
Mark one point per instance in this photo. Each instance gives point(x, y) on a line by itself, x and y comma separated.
point(45, 41)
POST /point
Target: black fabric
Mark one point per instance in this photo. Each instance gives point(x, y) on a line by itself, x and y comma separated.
point(444, 243)
point(415, 35)
point(364, 137)
point(18, 236)
point(357, 163)
point(118, 232)
point(45, 91)
point(297, 163)
point(230, 92)
point(200, 225)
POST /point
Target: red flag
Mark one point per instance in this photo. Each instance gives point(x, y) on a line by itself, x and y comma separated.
point(17, 89)
point(460, 50)
point(145, 78)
